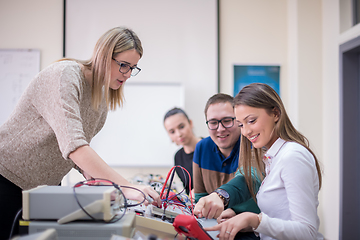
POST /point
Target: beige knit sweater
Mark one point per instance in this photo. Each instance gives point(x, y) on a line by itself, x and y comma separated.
point(52, 118)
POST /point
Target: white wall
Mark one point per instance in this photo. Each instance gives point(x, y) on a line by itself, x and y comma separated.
point(302, 36)
point(345, 15)
point(252, 32)
point(33, 24)
point(330, 193)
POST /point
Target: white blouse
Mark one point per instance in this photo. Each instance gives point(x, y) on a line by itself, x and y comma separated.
point(288, 196)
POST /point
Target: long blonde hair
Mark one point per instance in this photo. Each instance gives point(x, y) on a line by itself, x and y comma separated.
point(114, 41)
point(259, 95)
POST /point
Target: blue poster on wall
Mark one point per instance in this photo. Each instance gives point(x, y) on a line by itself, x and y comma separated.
point(246, 74)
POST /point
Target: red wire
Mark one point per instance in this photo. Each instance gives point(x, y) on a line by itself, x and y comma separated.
point(167, 177)
point(191, 199)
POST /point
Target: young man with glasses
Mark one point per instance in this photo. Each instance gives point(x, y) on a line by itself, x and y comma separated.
point(216, 158)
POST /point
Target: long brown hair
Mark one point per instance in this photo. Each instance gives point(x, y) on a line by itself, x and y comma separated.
point(114, 41)
point(259, 95)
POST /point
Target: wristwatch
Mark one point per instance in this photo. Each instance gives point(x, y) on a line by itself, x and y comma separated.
point(224, 195)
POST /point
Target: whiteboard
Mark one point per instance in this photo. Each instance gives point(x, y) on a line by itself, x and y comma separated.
point(17, 68)
point(134, 135)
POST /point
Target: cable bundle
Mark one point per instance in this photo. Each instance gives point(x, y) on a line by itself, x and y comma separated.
point(168, 197)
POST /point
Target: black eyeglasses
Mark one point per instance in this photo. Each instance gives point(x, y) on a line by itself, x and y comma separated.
point(125, 68)
point(226, 122)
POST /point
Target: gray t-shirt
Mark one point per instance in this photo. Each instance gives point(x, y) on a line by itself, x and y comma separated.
point(52, 118)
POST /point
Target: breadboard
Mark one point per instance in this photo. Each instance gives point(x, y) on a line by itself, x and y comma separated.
point(155, 226)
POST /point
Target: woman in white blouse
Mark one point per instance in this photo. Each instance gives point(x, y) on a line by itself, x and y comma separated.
point(288, 195)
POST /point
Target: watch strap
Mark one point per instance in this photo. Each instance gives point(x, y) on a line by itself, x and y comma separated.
point(223, 195)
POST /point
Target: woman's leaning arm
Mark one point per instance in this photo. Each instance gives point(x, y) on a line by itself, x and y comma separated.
point(90, 162)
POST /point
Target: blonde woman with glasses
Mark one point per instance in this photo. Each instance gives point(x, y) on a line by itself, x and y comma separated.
point(62, 109)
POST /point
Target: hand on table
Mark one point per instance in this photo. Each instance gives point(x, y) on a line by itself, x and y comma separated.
point(147, 190)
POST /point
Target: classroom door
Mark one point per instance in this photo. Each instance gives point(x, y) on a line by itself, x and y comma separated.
point(350, 139)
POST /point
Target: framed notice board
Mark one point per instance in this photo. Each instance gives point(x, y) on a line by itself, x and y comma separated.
point(246, 74)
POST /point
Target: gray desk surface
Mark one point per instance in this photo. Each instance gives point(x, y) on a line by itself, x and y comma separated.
point(209, 223)
point(146, 226)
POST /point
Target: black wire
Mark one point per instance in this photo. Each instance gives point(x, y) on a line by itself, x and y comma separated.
point(126, 205)
point(14, 222)
point(77, 200)
point(114, 220)
point(136, 204)
point(186, 182)
point(117, 187)
point(186, 179)
point(168, 190)
point(167, 200)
